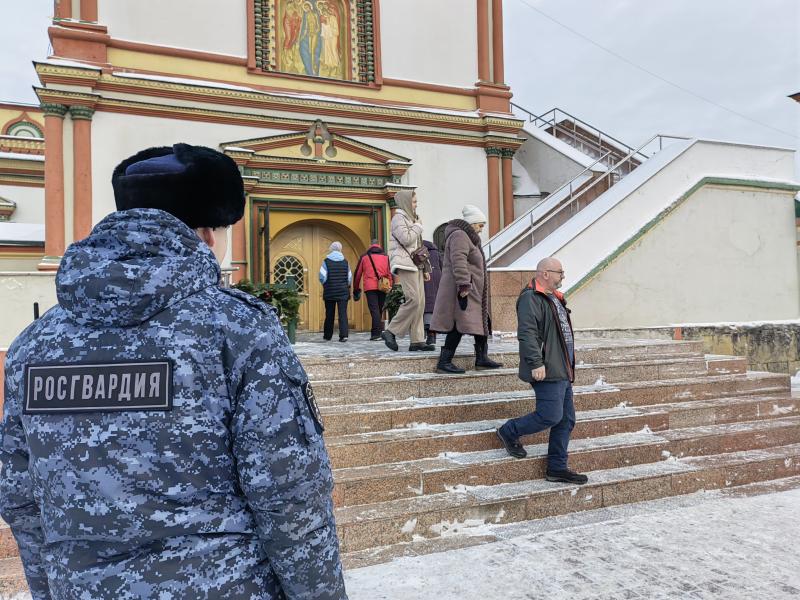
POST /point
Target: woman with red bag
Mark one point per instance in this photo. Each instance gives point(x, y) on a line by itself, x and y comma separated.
point(373, 268)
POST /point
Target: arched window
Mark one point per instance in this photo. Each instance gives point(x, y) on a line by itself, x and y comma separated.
point(289, 266)
point(25, 129)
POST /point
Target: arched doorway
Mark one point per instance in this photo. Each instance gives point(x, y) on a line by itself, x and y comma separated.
point(298, 251)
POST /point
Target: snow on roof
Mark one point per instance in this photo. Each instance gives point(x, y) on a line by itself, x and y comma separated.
point(68, 63)
point(238, 149)
point(18, 156)
point(563, 148)
point(299, 96)
point(21, 232)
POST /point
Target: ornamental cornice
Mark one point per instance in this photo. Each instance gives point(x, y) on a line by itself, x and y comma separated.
point(21, 145)
point(298, 103)
point(73, 74)
point(81, 113)
point(54, 109)
point(65, 97)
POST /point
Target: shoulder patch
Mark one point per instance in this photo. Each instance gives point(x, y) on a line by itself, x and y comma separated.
point(249, 299)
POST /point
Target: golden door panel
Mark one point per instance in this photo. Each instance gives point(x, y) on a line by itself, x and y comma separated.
point(301, 248)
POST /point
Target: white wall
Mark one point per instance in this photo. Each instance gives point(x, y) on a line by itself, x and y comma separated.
point(18, 292)
point(206, 25)
point(30, 203)
point(546, 166)
point(434, 41)
point(725, 254)
point(446, 178)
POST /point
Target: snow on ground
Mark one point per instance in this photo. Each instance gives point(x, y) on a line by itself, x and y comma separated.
point(705, 546)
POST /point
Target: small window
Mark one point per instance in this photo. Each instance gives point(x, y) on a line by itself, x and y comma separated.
point(287, 267)
point(25, 129)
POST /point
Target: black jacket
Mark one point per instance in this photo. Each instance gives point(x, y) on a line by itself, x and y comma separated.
point(541, 341)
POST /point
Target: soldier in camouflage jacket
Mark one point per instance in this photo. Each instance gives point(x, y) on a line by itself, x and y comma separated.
point(159, 438)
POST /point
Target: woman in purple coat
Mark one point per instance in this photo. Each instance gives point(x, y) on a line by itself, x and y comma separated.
point(431, 287)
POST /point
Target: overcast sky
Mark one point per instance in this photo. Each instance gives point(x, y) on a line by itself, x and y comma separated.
point(743, 55)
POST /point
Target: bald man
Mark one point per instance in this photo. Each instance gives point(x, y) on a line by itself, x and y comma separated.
point(547, 362)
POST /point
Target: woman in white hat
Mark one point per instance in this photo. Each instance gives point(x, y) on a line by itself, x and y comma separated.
point(462, 302)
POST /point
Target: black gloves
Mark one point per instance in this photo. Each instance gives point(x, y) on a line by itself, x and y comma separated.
point(462, 302)
point(356, 295)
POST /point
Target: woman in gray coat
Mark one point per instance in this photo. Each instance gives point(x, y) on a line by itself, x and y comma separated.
point(405, 239)
point(462, 302)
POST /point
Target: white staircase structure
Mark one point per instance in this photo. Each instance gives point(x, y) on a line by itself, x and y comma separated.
point(608, 209)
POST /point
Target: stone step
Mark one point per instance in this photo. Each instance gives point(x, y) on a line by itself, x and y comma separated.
point(8, 545)
point(362, 418)
point(12, 578)
point(470, 537)
point(438, 473)
point(380, 364)
point(407, 519)
point(499, 380)
point(343, 418)
point(422, 440)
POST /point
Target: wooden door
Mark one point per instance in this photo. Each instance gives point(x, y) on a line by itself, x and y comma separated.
point(298, 251)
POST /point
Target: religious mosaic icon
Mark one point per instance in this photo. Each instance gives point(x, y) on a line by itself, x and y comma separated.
point(333, 39)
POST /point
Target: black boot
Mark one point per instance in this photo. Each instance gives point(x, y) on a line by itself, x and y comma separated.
point(445, 365)
point(482, 360)
point(430, 337)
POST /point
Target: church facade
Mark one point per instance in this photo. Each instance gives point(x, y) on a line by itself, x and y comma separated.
point(329, 107)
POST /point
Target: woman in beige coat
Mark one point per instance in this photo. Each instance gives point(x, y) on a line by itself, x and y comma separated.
point(406, 237)
point(462, 302)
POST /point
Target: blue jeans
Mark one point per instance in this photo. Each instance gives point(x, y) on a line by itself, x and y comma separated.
point(555, 411)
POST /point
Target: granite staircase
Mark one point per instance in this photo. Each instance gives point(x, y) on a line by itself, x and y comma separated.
point(416, 459)
point(418, 467)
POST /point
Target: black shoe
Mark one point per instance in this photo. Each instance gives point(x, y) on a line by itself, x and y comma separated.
point(375, 338)
point(389, 339)
point(566, 476)
point(514, 448)
point(344, 339)
point(445, 365)
point(324, 339)
point(482, 360)
point(421, 347)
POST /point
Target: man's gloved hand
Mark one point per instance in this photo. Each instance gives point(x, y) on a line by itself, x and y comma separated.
point(356, 295)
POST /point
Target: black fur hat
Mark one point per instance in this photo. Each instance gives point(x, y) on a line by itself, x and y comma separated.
point(198, 185)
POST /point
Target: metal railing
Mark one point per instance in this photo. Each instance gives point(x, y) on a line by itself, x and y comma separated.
point(577, 130)
point(562, 193)
point(537, 218)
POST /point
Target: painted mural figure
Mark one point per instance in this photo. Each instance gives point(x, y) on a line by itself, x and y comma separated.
point(331, 61)
point(292, 22)
point(310, 47)
point(312, 38)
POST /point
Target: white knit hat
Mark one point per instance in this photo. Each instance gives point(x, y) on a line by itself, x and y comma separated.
point(472, 214)
point(335, 247)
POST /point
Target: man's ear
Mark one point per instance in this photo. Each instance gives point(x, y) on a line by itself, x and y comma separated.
point(207, 235)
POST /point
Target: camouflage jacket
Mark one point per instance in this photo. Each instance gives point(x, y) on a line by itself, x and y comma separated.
point(157, 438)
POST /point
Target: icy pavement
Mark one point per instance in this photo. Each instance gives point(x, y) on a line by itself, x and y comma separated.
point(735, 545)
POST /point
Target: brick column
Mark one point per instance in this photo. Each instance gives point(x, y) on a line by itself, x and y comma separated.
point(62, 9)
point(89, 10)
point(498, 74)
point(82, 170)
point(483, 40)
point(53, 186)
point(493, 169)
point(508, 187)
